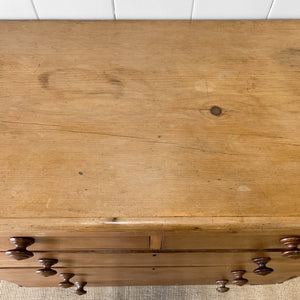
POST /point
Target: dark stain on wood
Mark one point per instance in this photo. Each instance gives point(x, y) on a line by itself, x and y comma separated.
point(44, 79)
point(81, 81)
point(289, 57)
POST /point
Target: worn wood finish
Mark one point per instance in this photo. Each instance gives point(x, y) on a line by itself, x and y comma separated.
point(145, 275)
point(231, 239)
point(193, 239)
point(108, 240)
point(280, 226)
point(96, 115)
point(156, 241)
point(141, 153)
point(235, 259)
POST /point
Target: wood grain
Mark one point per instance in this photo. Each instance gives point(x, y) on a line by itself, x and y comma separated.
point(275, 227)
point(189, 239)
point(113, 119)
point(149, 153)
point(156, 241)
point(106, 240)
point(94, 258)
point(263, 239)
point(145, 275)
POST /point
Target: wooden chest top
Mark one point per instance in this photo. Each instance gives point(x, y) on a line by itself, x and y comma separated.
point(149, 119)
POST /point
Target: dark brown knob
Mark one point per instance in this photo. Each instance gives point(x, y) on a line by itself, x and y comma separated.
point(222, 288)
point(292, 243)
point(80, 285)
point(20, 252)
point(239, 280)
point(47, 264)
point(262, 269)
point(66, 283)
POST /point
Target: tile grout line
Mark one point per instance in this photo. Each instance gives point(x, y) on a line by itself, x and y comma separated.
point(192, 12)
point(270, 10)
point(114, 9)
point(35, 10)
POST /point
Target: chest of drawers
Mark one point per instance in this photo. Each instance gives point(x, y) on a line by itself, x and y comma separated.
point(149, 153)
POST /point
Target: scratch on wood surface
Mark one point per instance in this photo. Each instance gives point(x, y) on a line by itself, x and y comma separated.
point(243, 188)
point(48, 202)
point(146, 140)
point(37, 68)
point(27, 123)
point(262, 135)
point(289, 144)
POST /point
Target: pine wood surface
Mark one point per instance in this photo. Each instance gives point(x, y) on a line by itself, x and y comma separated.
point(112, 119)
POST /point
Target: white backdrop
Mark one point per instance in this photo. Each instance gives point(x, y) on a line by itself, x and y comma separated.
point(149, 9)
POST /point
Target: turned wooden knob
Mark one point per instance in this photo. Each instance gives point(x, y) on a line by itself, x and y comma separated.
point(292, 243)
point(66, 283)
point(222, 288)
point(239, 280)
point(262, 269)
point(47, 263)
point(80, 285)
point(20, 252)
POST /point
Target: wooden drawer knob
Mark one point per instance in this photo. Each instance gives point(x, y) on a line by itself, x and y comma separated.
point(80, 285)
point(222, 288)
point(292, 243)
point(239, 280)
point(66, 283)
point(20, 252)
point(262, 269)
point(47, 263)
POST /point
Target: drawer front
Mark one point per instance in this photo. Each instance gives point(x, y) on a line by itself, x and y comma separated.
point(186, 259)
point(225, 240)
point(189, 240)
point(145, 275)
point(104, 240)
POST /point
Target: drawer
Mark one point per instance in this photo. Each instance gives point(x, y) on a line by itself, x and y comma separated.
point(103, 276)
point(173, 241)
point(103, 240)
point(207, 240)
point(101, 259)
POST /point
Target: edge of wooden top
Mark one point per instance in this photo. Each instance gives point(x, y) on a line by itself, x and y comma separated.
point(89, 225)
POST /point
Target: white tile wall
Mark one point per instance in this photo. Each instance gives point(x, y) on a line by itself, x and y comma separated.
point(153, 9)
point(231, 9)
point(16, 9)
point(74, 9)
point(285, 9)
point(149, 9)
